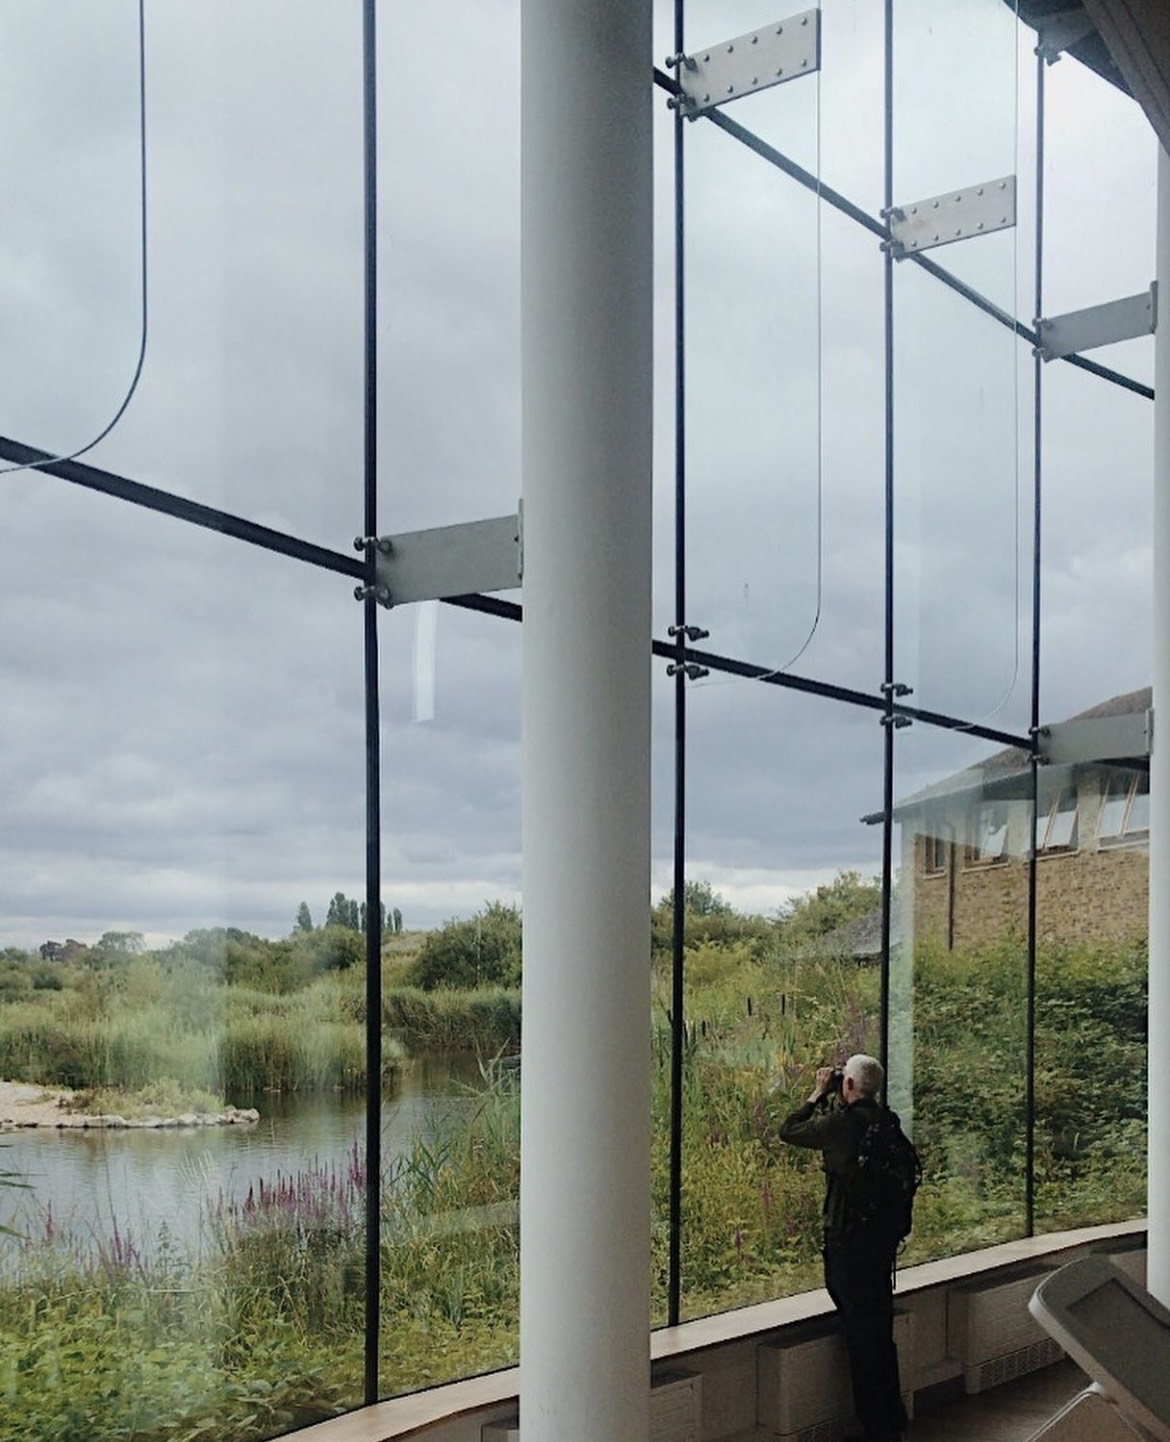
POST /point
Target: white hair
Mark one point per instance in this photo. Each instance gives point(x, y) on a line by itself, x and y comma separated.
point(867, 1073)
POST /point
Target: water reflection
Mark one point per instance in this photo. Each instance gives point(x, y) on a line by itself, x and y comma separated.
point(155, 1184)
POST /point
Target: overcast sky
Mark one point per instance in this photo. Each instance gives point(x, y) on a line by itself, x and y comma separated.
point(182, 714)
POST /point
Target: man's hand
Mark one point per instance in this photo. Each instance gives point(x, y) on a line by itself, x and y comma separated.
point(824, 1083)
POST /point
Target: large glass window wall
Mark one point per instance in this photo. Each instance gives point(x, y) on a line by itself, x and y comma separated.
point(262, 876)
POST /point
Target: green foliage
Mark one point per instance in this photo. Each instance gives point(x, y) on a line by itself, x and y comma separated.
point(330, 948)
point(708, 920)
point(304, 920)
point(174, 1021)
point(163, 1098)
point(261, 1333)
point(344, 912)
point(844, 899)
point(486, 1020)
point(114, 944)
point(699, 899)
point(482, 951)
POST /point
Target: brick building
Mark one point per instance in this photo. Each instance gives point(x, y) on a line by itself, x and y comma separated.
point(966, 840)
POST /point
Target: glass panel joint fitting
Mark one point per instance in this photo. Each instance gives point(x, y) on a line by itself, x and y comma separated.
point(773, 55)
point(957, 215)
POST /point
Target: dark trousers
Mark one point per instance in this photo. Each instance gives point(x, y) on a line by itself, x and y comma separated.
point(859, 1275)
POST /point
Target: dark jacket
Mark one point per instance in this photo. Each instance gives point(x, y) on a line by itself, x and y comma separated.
point(836, 1130)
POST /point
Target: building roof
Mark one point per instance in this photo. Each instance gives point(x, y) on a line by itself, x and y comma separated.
point(1127, 43)
point(1007, 773)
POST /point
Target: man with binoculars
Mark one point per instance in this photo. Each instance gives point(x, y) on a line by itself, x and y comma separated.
point(859, 1248)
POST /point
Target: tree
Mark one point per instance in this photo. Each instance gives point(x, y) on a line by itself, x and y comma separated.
point(343, 912)
point(362, 917)
point(844, 899)
point(120, 943)
point(304, 917)
point(483, 951)
point(334, 948)
point(397, 916)
point(699, 899)
point(709, 919)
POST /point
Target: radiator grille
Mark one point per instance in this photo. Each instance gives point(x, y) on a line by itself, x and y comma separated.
point(997, 1370)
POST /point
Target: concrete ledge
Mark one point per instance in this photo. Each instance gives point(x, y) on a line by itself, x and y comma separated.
point(466, 1405)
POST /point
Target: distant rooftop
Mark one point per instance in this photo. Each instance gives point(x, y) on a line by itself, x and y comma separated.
point(1001, 774)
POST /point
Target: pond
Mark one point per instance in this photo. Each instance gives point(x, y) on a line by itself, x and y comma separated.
point(153, 1184)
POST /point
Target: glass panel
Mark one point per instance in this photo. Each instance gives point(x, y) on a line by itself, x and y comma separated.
point(955, 125)
point(846, 647)
point(1091, 1013)
point(451, 999)
point(782, 974)
point(180, 807)
point(753, 388)
point(1098, 580)
point(449, 263)
point(72, 245)
point(1138, 820)
point(1115, 804)
point(1104, 250)
point(956, 525)
point(1059, 831)
point(957, 544)
point(958, 1043)
point(252, 394)
point(1092, 899)
point(852, 44)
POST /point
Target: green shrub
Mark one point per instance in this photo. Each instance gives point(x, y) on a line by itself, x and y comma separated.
point(462, 955)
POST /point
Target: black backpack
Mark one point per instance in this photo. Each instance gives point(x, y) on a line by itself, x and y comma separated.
point(880, 1190)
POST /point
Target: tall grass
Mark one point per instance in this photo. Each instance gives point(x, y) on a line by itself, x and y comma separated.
point(486, 1021)
point(260, 1329)
point(231, 1041)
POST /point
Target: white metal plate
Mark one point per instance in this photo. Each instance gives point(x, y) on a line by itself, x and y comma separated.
point(1097, 738)
point(762, 58)
point(1097, 325)
point(480, 556)
point(957, 215)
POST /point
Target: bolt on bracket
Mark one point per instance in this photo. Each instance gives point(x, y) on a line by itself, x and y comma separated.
point(478, 556)
point(957, 215)
point(1060, 31)
point(716, 74)
point(1097, 325)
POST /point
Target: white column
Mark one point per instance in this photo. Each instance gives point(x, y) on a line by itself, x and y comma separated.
point(586, 275)
point(1159, 1032)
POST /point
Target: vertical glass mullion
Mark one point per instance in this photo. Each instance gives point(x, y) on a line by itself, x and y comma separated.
point(678, 928)
point(1037, 456)
point(372, 723)
point(888, 676)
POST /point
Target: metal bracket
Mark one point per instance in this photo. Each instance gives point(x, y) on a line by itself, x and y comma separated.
point(957, 215)
point(1059, 32)
point(447, 561)
point(692, 633)
point(1081, 330)
point(758, 60)
point(691, 669)
point(1096, 738)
